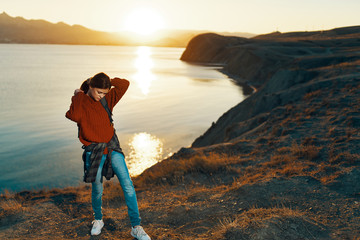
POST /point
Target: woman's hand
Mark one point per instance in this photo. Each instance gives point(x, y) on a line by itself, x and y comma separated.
point(116, 78)
point(77, 91)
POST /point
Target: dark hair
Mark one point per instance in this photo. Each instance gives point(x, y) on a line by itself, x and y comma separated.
point(100, 80)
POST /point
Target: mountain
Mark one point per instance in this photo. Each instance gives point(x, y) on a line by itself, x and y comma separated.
point(20, 30)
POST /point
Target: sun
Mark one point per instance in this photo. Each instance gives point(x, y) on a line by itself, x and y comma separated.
point(144, 21)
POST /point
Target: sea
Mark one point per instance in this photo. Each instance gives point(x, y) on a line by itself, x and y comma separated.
point(168, 105)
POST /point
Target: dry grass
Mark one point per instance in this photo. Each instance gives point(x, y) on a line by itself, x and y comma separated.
point(311, 95)
point(174, 170)
point(254, 218)
point(342, 65)
point(10, 207)
point(337, 165)
point(345, 158)
point(307, 152)
point(294, 160)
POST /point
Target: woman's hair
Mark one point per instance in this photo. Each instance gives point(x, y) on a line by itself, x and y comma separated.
point(100, 80)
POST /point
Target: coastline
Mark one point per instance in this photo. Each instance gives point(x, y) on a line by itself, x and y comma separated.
point(284, 163)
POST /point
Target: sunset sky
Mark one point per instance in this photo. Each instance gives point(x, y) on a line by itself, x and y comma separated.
point(146, 16)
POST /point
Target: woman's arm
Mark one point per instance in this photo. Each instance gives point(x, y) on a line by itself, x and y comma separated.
point(74, 113)
point(120, 86)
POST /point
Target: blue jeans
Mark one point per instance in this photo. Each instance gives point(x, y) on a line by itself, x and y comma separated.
point(121, 171)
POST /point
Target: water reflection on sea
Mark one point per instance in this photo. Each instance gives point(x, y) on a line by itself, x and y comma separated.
point(145, 151)
point(143, 65)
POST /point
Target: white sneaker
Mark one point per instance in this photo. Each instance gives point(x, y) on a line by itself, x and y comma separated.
point(139, 233)
point(97, 226)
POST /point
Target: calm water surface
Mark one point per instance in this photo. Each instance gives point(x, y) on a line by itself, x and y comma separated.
point(169, 104)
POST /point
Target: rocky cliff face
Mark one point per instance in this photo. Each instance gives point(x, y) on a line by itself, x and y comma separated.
point(283, 71)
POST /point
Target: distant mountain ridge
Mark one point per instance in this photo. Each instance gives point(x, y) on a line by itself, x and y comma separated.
point(20, 30)
point(336, 33)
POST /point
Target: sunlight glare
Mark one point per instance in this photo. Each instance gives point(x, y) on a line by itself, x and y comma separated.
point(145, 151)
point(144, 21)
point(144, 64)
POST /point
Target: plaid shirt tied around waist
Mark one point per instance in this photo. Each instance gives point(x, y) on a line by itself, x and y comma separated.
point(97, 151)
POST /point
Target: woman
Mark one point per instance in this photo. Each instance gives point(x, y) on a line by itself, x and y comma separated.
point(102, 153)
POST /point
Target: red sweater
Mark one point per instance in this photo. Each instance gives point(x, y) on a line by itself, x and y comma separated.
point(92, 117)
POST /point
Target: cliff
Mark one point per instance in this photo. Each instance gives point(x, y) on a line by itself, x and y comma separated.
point(283, 71)
point(255, 60)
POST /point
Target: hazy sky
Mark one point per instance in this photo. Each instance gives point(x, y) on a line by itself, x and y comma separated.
point(254, 16)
